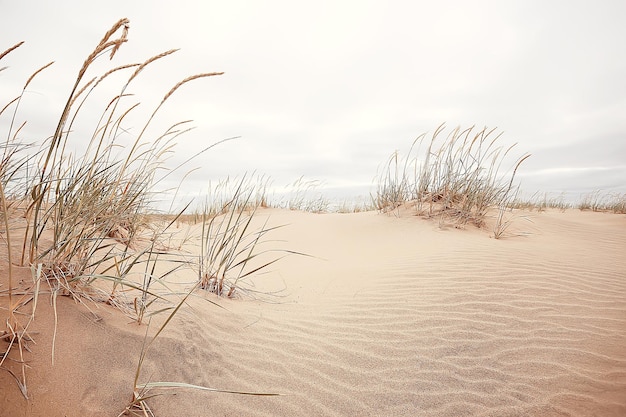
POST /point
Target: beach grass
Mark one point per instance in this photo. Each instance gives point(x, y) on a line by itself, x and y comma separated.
point(230, 242)
point(541, 202)
point(80, 219)
point(603, 201)
point(456, 177)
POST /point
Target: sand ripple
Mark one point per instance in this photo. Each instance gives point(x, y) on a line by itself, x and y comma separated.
point(458, 325)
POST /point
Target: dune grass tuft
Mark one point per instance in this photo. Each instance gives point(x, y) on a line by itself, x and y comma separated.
point(541, 202)
point(304, 195)
point(457, 178)
point(603, 201)
point(232, 245)
point(75, 211)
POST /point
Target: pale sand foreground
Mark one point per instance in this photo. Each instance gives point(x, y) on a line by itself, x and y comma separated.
point(394, 317)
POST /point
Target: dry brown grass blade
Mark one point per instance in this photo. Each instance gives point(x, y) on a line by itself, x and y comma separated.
point(148, 62)
point(188, 79)
point(9, 104)
point(5, 218)
point(82, 90)
point(18, 99)
point(37, 72)
point(8, 51)
point(123, 22)
point(124, 37)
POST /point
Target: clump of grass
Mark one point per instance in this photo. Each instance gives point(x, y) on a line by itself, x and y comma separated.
point(222, 195)
point(457, 179)
point(394, 185)
point(93, 206)
point(602, 201)
point(84, 213)
point(304, 195)
point(354, 207)
point(506, 215)
point(542, 202)
point(231, 247)
point(102, 194)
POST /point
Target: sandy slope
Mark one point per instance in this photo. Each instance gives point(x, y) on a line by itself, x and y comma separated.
point(392, 317)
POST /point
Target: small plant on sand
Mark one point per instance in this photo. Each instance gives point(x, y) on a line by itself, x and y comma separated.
point(354, 207)
point(457, 179)
point(303, 195)
point(599, 201)
point(221, 195)
point(231, 243)
point(541, 201)
point(505, 217)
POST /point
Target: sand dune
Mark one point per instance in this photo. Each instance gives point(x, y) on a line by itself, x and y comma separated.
point(392, 316)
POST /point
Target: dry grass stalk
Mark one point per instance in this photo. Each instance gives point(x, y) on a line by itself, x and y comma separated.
point(11, 49)
point(148, 62)
point(35, 74)
point(188, 79)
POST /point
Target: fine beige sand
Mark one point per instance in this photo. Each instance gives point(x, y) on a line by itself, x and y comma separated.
point(390, 316)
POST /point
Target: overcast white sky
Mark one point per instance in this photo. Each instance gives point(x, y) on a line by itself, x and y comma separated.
point(329, 89)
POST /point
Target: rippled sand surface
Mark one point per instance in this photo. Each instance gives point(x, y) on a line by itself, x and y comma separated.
point(391, 316)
